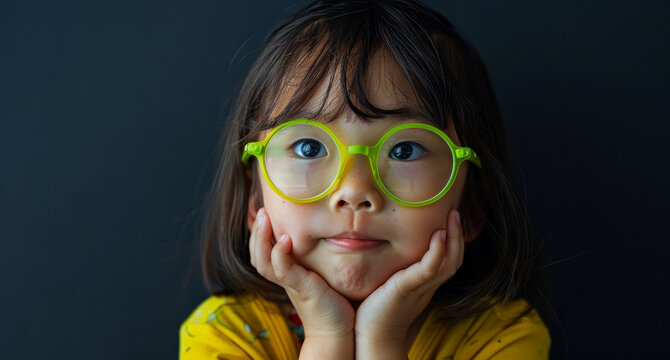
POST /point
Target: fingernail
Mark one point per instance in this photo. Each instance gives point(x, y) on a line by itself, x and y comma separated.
point(443, 235)
point(458, 217)
point(261, 217)
point(283, 238)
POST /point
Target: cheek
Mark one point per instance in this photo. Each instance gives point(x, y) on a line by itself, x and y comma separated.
point(427, 219)
point(412, 230)
point(290, 218)
point(286, 220)
point(274, 205)
point(417, 225)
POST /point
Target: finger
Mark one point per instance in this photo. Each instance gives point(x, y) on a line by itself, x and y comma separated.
point(426, 269)
point(455, 246)
point(433, 258)
point(450, 256)
point(289, 274)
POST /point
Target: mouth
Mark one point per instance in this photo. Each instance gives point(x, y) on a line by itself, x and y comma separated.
point(351, 241)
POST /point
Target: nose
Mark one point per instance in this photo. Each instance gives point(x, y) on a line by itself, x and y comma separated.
point(357, 190)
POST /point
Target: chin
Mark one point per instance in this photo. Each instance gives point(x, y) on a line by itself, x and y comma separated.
point(356, 296)
point(353, 277)
point(356, 291)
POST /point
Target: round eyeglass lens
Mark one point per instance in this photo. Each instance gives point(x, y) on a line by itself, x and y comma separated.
point(415, 164)
point(302, 160)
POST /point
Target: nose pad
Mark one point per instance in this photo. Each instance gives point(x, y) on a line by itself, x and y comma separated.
point(357, 190)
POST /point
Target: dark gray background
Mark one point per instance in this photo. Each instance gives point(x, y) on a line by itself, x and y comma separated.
point(110, 112)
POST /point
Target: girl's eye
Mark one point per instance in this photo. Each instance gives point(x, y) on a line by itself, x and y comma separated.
point(406, 151)
point(309, 149)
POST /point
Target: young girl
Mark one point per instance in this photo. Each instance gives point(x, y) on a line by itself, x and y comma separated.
point(363, 206)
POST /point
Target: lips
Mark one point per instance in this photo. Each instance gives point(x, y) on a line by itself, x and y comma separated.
point(352, 241)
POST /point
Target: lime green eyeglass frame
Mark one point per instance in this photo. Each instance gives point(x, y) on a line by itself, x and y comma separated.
point(459, 153)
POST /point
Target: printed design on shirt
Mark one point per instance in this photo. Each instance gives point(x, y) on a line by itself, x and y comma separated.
point(199, 317)
point(188, 332)
point(263, 334)
point(295, 325)
point(213, 315)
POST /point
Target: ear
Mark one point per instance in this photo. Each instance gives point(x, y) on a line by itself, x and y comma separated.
point(476, 225)
point(252, 202)
point(476, 222)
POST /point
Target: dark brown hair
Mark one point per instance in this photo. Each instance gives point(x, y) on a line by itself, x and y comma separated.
point(450, 81)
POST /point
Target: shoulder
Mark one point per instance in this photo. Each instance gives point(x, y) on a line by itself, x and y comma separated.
point(513, 330)
point(207, 310)
point(519, 320)
point(230, 325)
point(517, 311)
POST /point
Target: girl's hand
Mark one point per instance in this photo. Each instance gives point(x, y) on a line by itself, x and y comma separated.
point(327, 317)
point(384, 318)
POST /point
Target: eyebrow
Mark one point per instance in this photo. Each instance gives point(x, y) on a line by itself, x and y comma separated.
point(414, 112)
point(405, 112)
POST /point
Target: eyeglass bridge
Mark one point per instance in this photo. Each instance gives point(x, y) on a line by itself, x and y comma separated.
point(359, 149)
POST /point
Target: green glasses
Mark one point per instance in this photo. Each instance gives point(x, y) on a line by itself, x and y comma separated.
point(414, 164)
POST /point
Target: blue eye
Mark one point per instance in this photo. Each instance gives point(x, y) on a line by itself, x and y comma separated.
point(406, 151)
point(309, 149)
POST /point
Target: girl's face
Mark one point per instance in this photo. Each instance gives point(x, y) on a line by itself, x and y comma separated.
point(326, 233)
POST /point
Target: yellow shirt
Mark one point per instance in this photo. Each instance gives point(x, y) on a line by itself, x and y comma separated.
point(226, 327)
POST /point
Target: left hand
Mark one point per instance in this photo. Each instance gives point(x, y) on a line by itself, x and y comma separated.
point(384, 318)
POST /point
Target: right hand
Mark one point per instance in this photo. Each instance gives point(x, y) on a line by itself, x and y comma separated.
point(325, 314)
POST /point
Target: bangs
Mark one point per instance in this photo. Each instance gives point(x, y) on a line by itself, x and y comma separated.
point(326, 60)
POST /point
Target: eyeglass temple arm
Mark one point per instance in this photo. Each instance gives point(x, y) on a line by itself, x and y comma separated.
point(466, 153)
point(252, 148)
